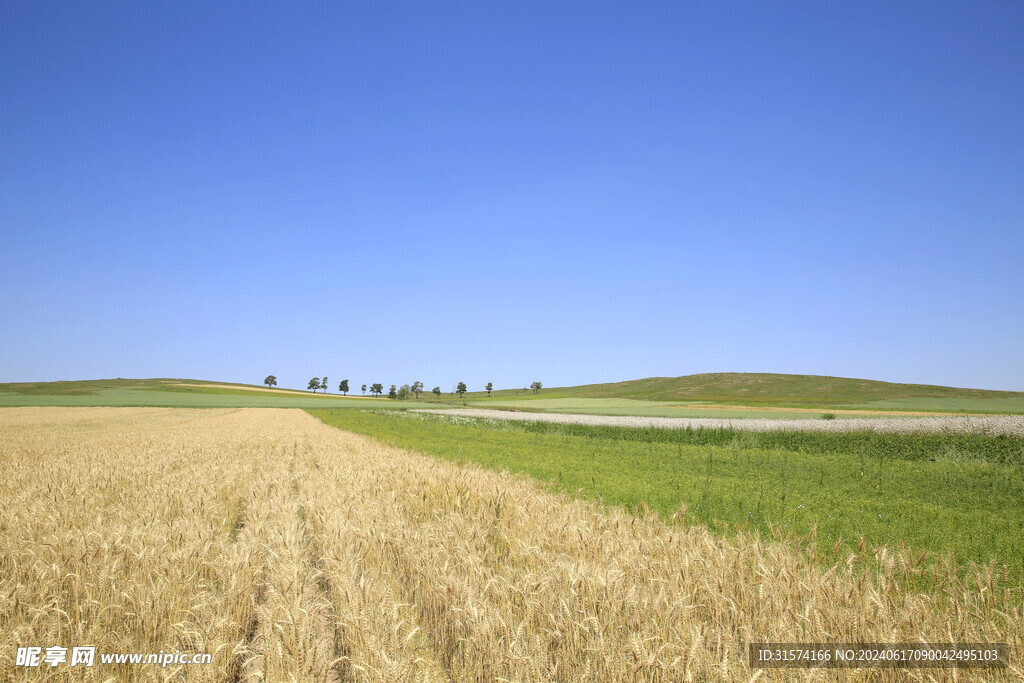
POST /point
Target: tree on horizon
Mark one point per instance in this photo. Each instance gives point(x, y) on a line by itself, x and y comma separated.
point(270, 381)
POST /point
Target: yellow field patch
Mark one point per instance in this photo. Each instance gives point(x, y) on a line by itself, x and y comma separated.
point(292, 550)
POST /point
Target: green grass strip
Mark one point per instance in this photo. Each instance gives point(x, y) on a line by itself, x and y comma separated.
point(970, 509)
point(949, 446)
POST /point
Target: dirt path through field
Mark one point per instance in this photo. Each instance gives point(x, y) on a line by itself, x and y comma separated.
point(291, 549)
point(989, 424)
point(808, 411)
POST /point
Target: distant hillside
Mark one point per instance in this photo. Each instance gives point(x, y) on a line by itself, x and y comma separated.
point(723, 387)
point(86, 387)
point(175, 393)
point(768, 388)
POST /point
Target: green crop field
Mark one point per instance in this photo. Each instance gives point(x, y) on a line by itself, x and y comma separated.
point(961, 502)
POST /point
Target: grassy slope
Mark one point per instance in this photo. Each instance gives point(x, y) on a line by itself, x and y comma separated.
point(876, 487)
point(738, 388)
point(775, 388)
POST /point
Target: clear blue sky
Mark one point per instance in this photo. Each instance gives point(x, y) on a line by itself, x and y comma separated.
point(512, 191)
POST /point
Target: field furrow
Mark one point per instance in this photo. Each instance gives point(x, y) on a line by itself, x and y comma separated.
point(380, 632)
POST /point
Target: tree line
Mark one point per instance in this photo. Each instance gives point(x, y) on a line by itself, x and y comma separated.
point(399, 393)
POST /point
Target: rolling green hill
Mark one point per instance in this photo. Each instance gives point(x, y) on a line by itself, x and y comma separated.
point(758, 387)
point(767, 389)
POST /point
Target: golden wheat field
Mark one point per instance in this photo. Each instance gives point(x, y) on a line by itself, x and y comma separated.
point(290, 550)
